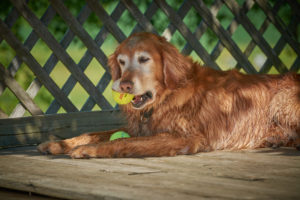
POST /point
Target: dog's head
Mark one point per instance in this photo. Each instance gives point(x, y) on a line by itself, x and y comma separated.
point(146, 65)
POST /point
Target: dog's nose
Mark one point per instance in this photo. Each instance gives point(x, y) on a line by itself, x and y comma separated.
point(126, 86)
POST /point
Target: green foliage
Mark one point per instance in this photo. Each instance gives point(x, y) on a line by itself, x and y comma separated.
point(58, 27)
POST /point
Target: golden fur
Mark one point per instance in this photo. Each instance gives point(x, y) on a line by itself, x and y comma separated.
point(193, 108)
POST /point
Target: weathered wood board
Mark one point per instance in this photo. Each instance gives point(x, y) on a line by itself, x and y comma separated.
point(256, 174)
point(36, 129)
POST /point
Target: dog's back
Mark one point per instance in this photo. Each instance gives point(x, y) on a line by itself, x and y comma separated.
point(255, 111)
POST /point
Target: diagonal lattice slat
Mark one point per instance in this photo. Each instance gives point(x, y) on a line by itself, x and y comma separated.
point(105, 80)
point(202, 27)
point(49, 66)
point(260, 41)
point(278, 24)
point(136, 13)
point(59, 52)
point(106, 19)
point(224, 36)
point(252, 43)
point(145, 22)
point(70, 83)
point(79, 31)
point(19, 92)
point(35, 67)
point(30, 41)
point(231, 29)
point(183, 29)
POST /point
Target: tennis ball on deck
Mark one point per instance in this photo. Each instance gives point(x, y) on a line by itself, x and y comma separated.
point(118, 135)
point(122, 98)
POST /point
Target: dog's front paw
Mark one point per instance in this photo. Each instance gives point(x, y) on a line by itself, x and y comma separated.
point(84, 151)
point(51, 148)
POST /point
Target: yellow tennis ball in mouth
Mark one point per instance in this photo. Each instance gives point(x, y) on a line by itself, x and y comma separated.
point(122, 98)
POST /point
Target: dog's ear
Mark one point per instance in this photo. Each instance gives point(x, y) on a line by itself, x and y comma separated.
point(115, 69)
point(176, 67)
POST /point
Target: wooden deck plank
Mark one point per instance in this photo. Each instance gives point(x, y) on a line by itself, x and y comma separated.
point(257, 174)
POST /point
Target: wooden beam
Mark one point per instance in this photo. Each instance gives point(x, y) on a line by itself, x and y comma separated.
point(218, 49)
point(223, 35)
point(40, 73)
point(139, 16)
point(77, 28)
point(202, 27)
point(279, 24)
point(255, 34)
point(3, 114)
point(61, 54)
point(83, 63)
point(296, 66)
point(151, 10)
point(186, 33)
point(22, 96)
point(36, 129)
point(35, 85)
point(109, 23)
point(29, 42)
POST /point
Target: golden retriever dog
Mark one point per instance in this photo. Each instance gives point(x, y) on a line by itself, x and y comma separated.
point(181, 107)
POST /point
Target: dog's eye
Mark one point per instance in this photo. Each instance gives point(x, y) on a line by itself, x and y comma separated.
point(122, 62)
point(143, 59)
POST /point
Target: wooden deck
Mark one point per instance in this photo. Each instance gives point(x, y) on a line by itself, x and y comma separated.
point(258, 174)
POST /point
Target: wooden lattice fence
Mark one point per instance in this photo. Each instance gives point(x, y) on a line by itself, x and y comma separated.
point(144, 22)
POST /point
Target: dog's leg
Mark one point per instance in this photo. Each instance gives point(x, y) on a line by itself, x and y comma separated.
point(159, 145)
point(65, 146)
